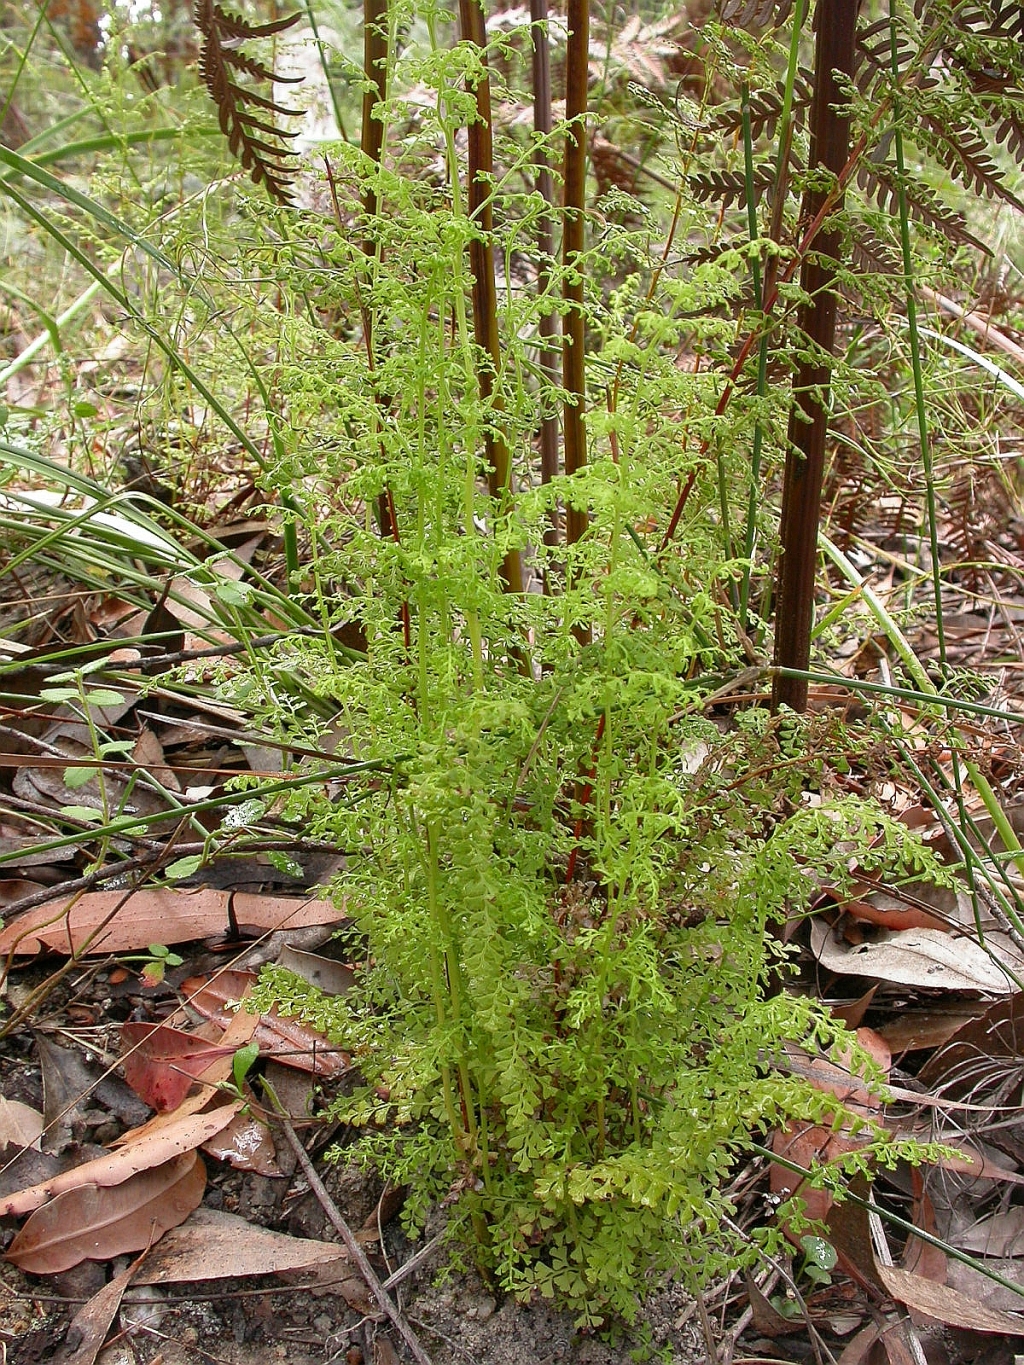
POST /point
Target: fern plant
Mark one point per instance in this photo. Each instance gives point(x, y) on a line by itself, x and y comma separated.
point(563, 1020)
point(891, 94)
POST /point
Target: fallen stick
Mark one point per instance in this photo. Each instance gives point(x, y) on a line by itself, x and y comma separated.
point(352, 1246)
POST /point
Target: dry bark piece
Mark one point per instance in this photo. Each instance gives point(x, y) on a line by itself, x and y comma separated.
point(155, 1149)
point(97, 1222)
point(155, 914)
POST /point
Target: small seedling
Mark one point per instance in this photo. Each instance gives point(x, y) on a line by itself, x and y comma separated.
point(154, 963)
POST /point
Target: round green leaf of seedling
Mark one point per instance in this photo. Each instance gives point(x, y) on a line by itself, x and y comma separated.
point(243, 1061)
point(183, 867)
point(819, 1253)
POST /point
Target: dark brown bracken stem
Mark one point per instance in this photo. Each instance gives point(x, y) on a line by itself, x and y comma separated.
point(573, 327)
point(548, 324)
point(485, 298)
point(808, 419)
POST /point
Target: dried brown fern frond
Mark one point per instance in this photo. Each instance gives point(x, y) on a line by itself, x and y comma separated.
point(756, 14)
point(765, 109)
point(260, 145)
point(729, 187)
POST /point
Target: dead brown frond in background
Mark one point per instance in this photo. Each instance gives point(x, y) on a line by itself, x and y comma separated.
point(260, 145)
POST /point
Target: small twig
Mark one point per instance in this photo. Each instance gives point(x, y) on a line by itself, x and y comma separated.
point(352, 1246)
point(414, 1262)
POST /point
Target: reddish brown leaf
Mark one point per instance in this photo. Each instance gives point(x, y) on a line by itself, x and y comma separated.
point(921, 1257)
point(164, 1062)
point(287, 1040)
point(95, 1222)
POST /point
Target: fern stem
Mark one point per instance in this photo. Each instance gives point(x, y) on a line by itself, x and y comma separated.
point(548, 323)
point(480, 175)
point(574, 323)
point(808, 420)
point(785, 138)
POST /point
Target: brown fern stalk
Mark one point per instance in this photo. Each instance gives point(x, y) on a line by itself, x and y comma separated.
point(574, 323)
point(548, 325)
point(485, 300)
point(808, 421)
point(375, 73)
point(371, 142)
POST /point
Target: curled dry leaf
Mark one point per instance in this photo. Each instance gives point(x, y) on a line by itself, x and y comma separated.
point(155, 1149)
point(287, 1040)
point(96, 1222)
point(947, 1305)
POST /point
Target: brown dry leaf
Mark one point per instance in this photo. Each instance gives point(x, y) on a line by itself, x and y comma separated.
point(164, 1062)
point(214, 1245)
point(247, 1145)
point(384, 1352)
point(808, 1145)
point(893, 1339)
point(20, 1124)
point(1001, 1234)
point(997, 1031)
point(236, 1035)
point(923, 957)
point(96, 1222)
point(148, 753)
point(173, 1139)
point(874, 904)
point(852, 1014)
point(12, 889)
point(850, 1234)
point(90, 1325)
point(287, 1040)
point(155, 914)
point(921, 1257)
point(928, 1028)
point(945, 1304)
point(766, 1317)
point(328, 975)
point(857, 1351)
